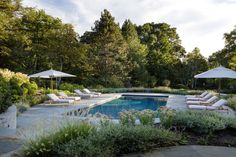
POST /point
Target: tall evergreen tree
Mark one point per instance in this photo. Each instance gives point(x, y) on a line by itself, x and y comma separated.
point(195, 64)
point(109, 51)
point(136, 55)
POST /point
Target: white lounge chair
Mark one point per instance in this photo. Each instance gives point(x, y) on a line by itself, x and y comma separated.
point(83, 95)
point(55, 99)
point(87, 91)
point(200, 99)
point(65, 96)
point(215, 106)
point(197, 96)
point(209, 101)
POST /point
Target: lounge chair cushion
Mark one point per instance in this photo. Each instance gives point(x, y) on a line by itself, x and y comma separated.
point(197, 96)
point(215, 106)
point(197, 107)
point(219, 103)
point(54, 98)
point(65, 96)
point(83, 94)
point(211, 100)
point(200, 99)
point(89, 92)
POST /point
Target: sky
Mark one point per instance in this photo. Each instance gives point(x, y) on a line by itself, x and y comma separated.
point(199, 23)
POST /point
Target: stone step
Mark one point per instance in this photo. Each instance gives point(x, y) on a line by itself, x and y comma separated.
point(7, 133)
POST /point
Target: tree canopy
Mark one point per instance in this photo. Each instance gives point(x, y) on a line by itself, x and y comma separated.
point(108, 55)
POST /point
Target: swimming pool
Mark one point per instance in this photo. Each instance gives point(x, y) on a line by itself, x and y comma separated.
point(114, 107)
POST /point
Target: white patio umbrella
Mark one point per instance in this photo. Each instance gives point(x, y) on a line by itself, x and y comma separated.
point(50, 74)
point(219, 72)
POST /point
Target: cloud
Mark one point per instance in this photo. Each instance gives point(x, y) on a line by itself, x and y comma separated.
point(200, 23)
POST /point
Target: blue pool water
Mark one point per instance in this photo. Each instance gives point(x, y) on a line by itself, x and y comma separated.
point(114, 107)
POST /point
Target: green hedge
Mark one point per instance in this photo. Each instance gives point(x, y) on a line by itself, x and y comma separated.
point(70, 87)
point(149, 90)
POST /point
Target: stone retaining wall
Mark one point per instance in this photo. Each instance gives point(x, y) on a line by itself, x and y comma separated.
point(8, 118)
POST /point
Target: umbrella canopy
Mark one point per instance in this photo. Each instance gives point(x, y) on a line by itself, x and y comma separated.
point(219, 72)
point(51, 74)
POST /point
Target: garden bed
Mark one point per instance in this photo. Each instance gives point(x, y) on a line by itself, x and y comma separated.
point(225, 138)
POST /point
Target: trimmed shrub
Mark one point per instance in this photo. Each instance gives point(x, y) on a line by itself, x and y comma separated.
point(70, 87)
point(197, 121)
point(148, 90)
point(231, 102)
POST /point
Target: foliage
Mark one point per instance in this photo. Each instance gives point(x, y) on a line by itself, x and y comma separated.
point(34, 100)
point(136, 56)
point(5, 95)
point(227, 55)
point(166, 83)
point(108, 55)
point(146, 117)
point(70, 87)
point(231, 102)
point(164, 50)
point(231, 122)
point(204, 140)
point(14, 87)
point(167, 117)
point(46, 145)
point(106, 140)
point(195, 64)
point(108, 51)
point(149, 90)
point(181, 86)
point(22, 106)
point(199, 122)
point(128, 117)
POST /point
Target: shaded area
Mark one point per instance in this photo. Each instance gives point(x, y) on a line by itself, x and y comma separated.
point(189, 151)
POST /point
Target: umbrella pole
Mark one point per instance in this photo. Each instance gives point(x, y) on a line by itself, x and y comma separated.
point(51, 83)
point(219, 86)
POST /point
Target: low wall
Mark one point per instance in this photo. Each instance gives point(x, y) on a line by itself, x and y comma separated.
point(8, 118)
